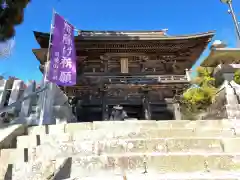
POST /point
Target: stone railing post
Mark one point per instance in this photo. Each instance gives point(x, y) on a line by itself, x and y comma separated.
point(3, 91)
point(27, 104)
point(47, 100)
point(15, 94)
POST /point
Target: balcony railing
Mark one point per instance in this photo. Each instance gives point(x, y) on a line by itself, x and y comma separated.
point(148, 79)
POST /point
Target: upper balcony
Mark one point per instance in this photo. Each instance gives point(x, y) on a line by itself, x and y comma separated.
point(94, 79)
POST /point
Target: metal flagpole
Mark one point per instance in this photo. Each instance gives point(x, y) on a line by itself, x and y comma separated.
point(46, 71)
point(234, 17)
point(235, 21)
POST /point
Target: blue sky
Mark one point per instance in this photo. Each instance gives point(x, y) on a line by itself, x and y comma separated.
point(179, 16)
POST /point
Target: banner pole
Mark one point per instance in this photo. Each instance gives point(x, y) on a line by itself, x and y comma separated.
point(49, 46)
point(45, 80)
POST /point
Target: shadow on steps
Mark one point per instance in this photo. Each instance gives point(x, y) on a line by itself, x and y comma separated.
point(64, 171)
point(8, 175)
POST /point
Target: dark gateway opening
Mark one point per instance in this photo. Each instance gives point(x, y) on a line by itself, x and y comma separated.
point(94, 113)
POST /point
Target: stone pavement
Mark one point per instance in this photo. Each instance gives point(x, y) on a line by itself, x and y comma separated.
point(126, 150)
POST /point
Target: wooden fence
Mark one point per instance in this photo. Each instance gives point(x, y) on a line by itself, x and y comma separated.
point(22, 103)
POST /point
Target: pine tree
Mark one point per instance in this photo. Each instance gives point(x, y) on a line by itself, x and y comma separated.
point(11, 14)
point(202, 94)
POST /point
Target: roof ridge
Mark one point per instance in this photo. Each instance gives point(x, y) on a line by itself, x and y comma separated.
point(153, 32)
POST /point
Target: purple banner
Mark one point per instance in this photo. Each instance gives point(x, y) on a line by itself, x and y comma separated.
point(63, 54)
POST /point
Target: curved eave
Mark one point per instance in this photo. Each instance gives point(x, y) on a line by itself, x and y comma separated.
point(222, 56)
point(44, 37)
point(146, 37)
point(40, 54)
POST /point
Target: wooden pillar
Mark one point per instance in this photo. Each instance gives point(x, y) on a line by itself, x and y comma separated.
point(143, 61)
point(80, 65)
point(105, 113)
point(142, 67)
point(146, 106)
point(73, 102)
point(105, 60)
point(79, 111)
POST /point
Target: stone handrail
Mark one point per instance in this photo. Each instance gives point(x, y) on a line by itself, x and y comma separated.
point(20, 102)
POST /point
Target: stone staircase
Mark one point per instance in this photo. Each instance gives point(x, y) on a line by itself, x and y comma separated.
point(126, 150)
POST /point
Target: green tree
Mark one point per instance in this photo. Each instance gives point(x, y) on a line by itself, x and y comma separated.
point(202, 92)
point(11, 14)
point(204, 77)
point(237, 76)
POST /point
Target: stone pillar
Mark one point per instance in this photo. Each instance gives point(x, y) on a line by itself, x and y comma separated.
point(105, 113)
point(146, 106)
point(177, 112)
point(4, 85)
point(3, 92)
point(16, 92)
point(47, 103)
point(188, 74)
point(27, 104)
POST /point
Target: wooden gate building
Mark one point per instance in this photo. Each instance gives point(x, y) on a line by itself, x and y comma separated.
point(144, 71)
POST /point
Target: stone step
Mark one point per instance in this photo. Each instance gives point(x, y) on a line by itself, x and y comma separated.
point(73, 127)
point(70, 147)
point(63, 146)
point(39, 169)
point(63, 168)
point(164, 124)
point(33, 170)
point(113, 147)
point(157, 162)
point(138, 163)
point(166, 176)
point(98, 135)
